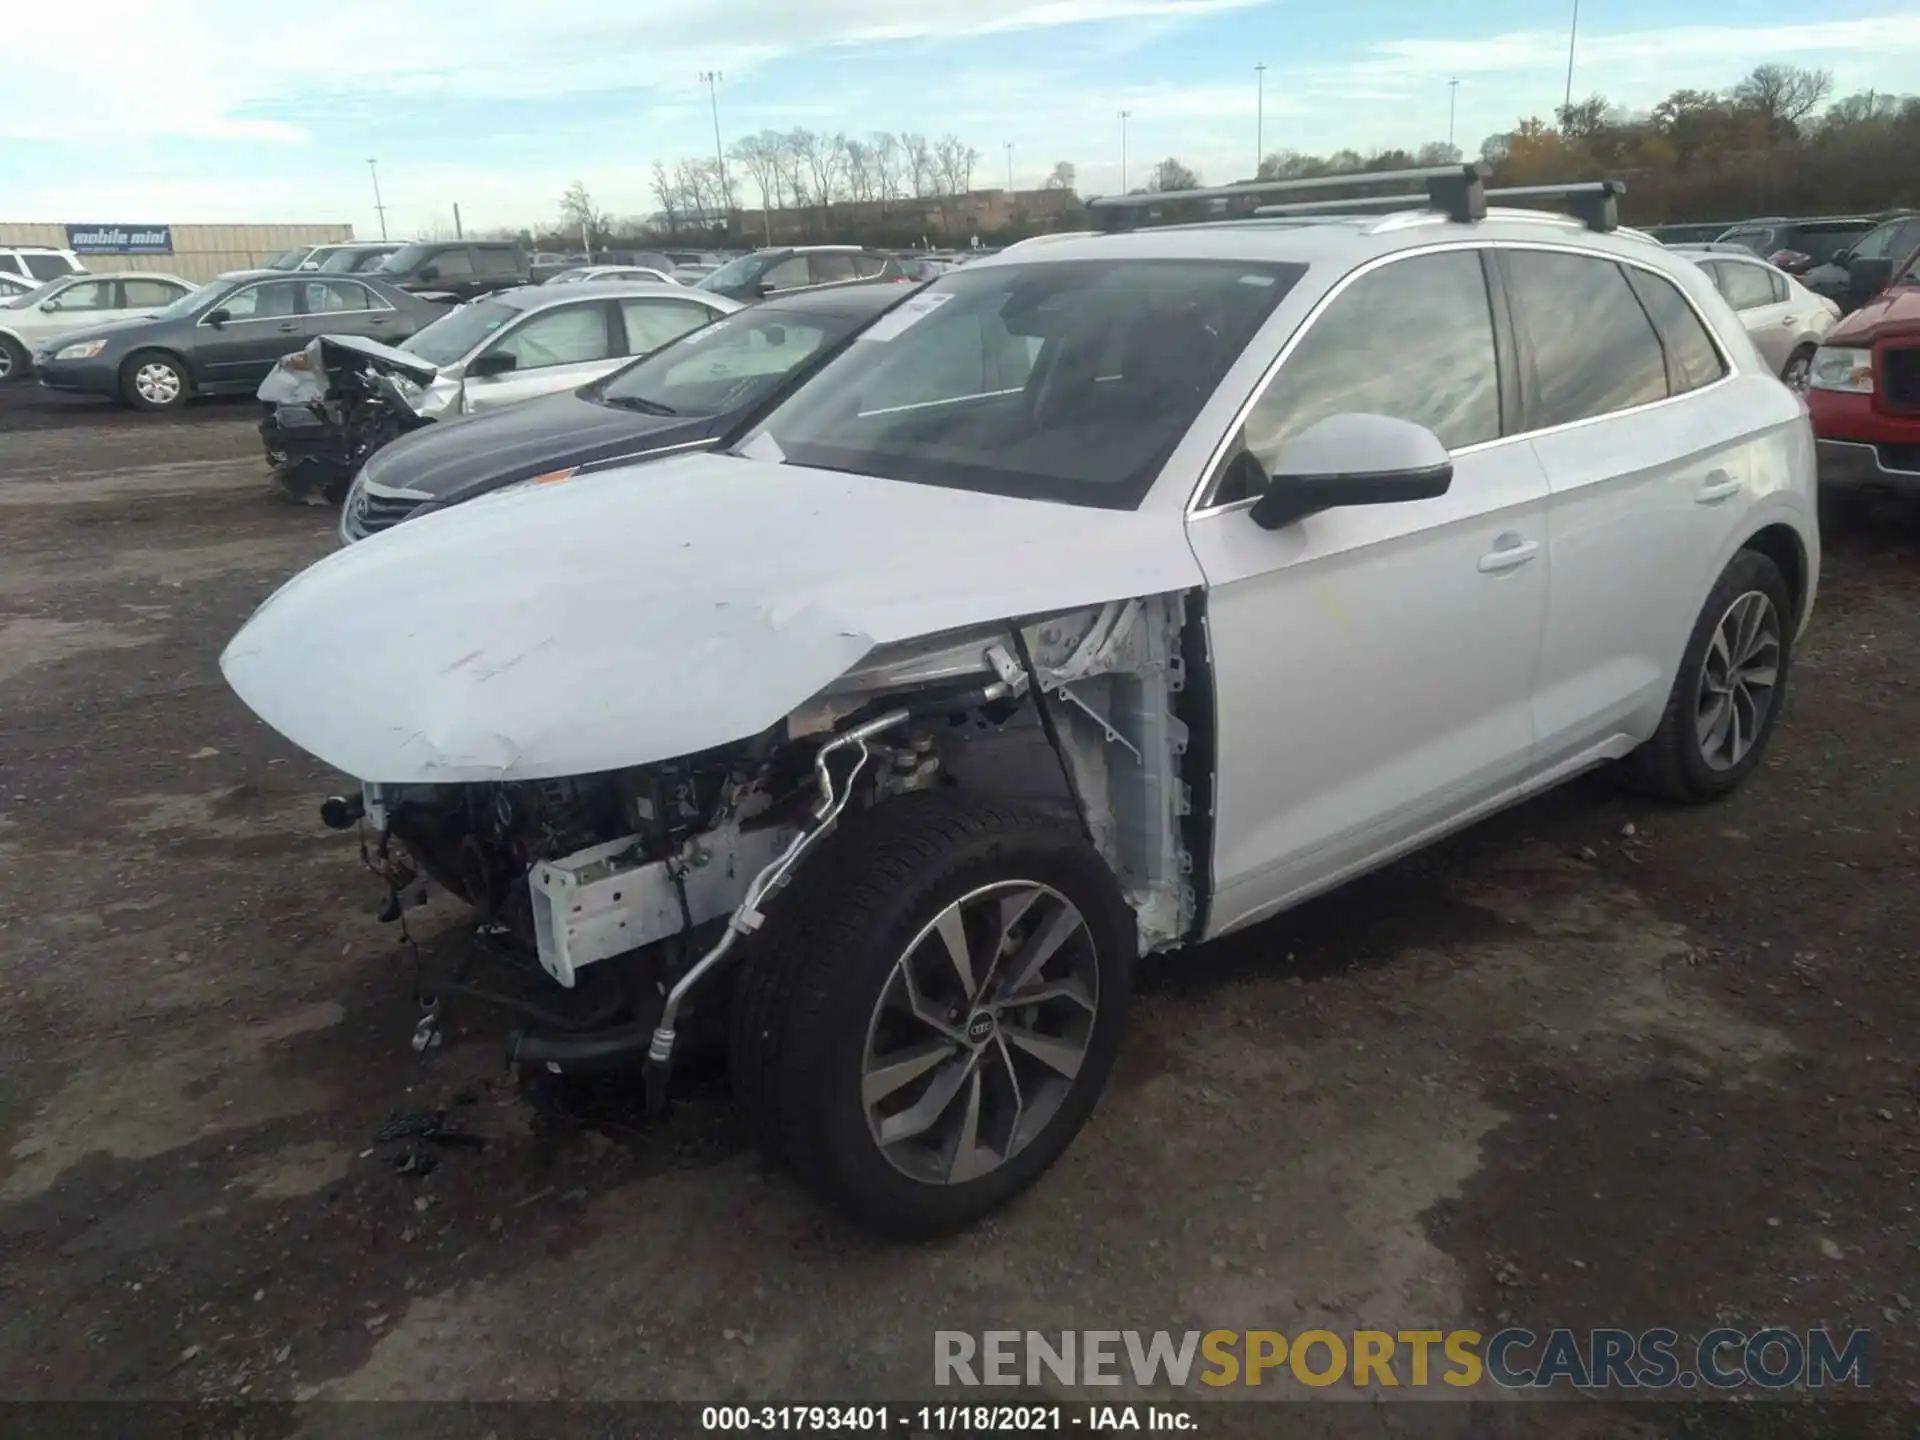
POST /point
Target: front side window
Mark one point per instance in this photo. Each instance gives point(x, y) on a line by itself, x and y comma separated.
point(452, 265)
point(270, 301)
point(653, 323)
point(1593, 349)
point(1878, 244)
point(866, 267)
point(568, 335)
point(827, 269)
point(1412, 340)
point(1693, 359)
point(788, 274)
point(146, 294)
point(989, 380)
point(85, 295)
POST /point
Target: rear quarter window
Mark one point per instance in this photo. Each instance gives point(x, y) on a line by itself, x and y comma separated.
point(1693, 359)
point(1590, 348)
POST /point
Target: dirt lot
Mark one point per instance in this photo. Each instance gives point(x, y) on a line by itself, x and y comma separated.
point(1596, 1063)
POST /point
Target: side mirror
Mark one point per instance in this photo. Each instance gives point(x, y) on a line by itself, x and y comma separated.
point(430, 272)
point(494, 362)
point(1840, 257)
point(1352, 459)
point(219, 317)
point(49, 306)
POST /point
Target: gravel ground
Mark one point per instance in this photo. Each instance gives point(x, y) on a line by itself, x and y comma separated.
point(1594, 1063)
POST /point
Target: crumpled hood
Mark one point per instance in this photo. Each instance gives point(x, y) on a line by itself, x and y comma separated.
point(1894, 311)
point(327, 355)
point(618, 619)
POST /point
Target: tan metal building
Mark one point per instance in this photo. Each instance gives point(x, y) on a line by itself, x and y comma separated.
point(200, 252)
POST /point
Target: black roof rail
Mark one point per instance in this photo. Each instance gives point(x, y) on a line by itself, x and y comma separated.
point(1594, 202)
point(1456, 190)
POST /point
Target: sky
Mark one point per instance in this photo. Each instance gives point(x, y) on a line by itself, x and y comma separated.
point(211, 111)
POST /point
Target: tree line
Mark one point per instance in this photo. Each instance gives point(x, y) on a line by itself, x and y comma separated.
point(1777, 142)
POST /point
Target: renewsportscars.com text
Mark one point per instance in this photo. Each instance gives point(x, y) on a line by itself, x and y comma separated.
point(1511, 1359)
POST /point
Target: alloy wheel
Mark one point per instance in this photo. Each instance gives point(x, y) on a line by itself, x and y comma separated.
point(156, 383)
point(979, 1032)
point(1738, 681)
point(1798, 370)
point(6, 362)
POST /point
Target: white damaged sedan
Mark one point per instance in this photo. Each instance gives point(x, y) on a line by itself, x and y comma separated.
point(1102, 598)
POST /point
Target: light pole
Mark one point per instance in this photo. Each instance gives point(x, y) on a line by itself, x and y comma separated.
point(379, 209)
point(1125, 115)
point(1573, 35)
point(1009, 172)
point(1453, 100)
point(711, 79)
point(1259, 117)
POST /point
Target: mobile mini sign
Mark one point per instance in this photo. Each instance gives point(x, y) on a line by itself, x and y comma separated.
point(120, 239)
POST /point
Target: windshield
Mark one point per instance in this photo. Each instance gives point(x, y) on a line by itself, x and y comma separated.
point(458, 331)
point(734, 272)
point(724, 366)
point(1070, 381)
point(28, 298)
point(191, 302)
point(290, 259)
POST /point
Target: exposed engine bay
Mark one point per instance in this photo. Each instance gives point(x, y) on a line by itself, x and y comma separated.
point(331, 405)
point(661, 867)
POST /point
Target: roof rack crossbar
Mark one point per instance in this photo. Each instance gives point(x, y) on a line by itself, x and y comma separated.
point(1595, 203)
point(1456, 189)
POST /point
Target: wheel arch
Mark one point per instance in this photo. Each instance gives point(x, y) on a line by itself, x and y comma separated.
point(179, 357)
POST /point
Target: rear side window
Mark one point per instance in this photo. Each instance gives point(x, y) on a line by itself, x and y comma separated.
point(139, 294)
point(1593, 350)
point(1412, 340)
point(1757, 238)
point(1692, 358)
point(1747, 287)
point(48, 267)
point(452, 263)
point(496, 262)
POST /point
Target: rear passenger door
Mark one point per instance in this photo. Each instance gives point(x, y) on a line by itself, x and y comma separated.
point(1646, 458)
point(1373, 665)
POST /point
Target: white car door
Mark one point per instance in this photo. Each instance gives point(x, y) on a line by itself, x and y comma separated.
point(1373, 666)
point(1646, 451)
point(558, 348)
point(1761, 300)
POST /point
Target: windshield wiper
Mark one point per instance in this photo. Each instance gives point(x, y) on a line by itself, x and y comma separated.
point(640, 403)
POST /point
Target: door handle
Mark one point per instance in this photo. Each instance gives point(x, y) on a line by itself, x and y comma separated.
point(1509, 557)
point(1720, 486)
point(289, 327)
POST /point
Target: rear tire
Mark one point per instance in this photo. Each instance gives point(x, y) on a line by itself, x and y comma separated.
point(154, 380)
point(14, 360)
point(856, 987)
point(1727, 697)
point(1798, 369)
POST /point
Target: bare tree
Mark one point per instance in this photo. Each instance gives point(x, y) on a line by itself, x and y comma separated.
point(954, 160)
point(795, 147)
point(859, 171)
point(1172, 174)
point(580, 215)
point(1061, 177)
point(888, 162)
point(920, 166)
point(759, 156)
point(667, 191)
point(1784, 94)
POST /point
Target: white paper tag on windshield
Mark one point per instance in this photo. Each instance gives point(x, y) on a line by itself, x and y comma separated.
point(910, 312)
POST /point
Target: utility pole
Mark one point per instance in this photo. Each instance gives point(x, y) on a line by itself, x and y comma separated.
point(1009, 172)
point(1573, 36)
point(1259, 117)
point(379, 209)
point(712, 79)
point(458, 233)
point(1453, 99)
point(1125, 115)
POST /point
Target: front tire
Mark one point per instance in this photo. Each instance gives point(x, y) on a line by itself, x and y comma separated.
point(153, 380)
point(14, 360)
point(1726, 699)
point(936, 1012)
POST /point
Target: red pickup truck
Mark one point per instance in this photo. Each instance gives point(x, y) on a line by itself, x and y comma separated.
point(1864, 391)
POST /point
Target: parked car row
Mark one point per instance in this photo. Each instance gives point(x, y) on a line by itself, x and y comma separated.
point(862, 683)
point(1844, 258)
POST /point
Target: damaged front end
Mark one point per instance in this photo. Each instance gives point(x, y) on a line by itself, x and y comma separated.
point(663, 873)
point(331, 405)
